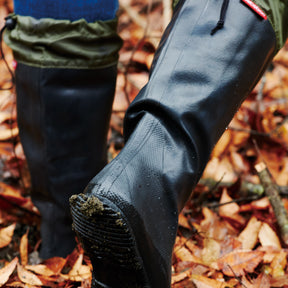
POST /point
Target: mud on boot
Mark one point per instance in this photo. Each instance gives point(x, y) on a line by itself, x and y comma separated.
point(109, 241)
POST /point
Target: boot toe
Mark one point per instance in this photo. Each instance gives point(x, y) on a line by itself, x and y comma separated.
point(108, 240)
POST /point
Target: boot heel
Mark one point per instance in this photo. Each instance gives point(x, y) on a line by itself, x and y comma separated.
point(106, 237)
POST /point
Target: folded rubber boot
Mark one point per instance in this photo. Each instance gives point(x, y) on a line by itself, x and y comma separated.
point(127, 216)
point(64, 100)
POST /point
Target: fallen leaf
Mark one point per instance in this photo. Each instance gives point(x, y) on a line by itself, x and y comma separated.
point(278, 264)
point(268, 237)
point(249, 236)
point(211, 250)
point(262, 281)
point(279, 281)
point(230, 244)
point(182, 221)
point(6, 235)
point(40, 269)
point(270, 253)
point(183, 254)
point(239, 262)
point(204, 282)
point(55, 264)
point(24, 249)
point(261, 204)
point(229, 210)
point(28, 277)
point(78, 272)
point(180, 276)
point(7, 134)
point(6, 272)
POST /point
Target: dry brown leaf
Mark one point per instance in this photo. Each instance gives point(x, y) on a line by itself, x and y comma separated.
point(268, 237)
point(239, 262)
point(28, 277)
point(279, 281)
point(222, 145)
point(211, 251)
point(278, 264)
point(24, 249)
point(7, 134)
point(40, 269)
point(230, 210)
point(249, 236)
point(183, 254)
point(11, 194)
point(195, 249)
point(78, 272)
point(204, 282)
point(55, 264)
point(6, 235)
point(211, 226)
point(183, 221)
point(262, 281)
point(261, 204)
point(220, 169)
point(6, 272)
point(270, 253)
point(229, 244)
point(180, 276)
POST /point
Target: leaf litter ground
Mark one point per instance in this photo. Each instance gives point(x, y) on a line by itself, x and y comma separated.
point(228, 233)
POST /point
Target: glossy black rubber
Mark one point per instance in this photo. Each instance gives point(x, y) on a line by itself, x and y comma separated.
point(63, 117)
point(197, 83)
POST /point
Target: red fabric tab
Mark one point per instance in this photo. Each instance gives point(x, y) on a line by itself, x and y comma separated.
point(255, 8)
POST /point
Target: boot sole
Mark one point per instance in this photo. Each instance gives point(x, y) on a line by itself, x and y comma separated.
point(109, 242)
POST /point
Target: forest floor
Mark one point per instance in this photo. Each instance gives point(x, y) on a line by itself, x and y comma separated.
point(230, 234)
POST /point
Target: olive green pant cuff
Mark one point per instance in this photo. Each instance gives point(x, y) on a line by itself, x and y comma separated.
point(50, 43)
point(277, 13)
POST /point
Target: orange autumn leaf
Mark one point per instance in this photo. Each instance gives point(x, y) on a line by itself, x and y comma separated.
point(55, 264)
point(281, 281)
point(78, 272)
point(249, 236)
point(40, 269)
point(6, 134)
point(6, 272)
point(24, 249)
point(205, 282)
point(6, 235)
point(230, 210)
point(180, 276)
point(279, 264)
point(211, 250)
point(262, 281)
point(183, 254)
point(239, 262)
point(268, 237)
point(28, 277)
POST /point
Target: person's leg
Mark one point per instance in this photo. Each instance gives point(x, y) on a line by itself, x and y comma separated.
point(65, 81)
point(127, 217)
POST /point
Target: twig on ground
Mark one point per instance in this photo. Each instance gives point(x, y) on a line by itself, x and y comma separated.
point(272, 192)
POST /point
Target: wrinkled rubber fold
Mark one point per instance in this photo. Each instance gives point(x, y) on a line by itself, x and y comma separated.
point(51, 43)
point(197, 83)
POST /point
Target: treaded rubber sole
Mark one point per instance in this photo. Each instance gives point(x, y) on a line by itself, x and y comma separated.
point(108, 241)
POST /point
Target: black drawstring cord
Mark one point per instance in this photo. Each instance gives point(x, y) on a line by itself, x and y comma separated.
point(9, 24)
point(220, 23)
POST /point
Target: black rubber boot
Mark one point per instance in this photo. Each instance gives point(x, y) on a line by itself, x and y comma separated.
point(65, 82)
point(127, 217)
point(63, 117)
